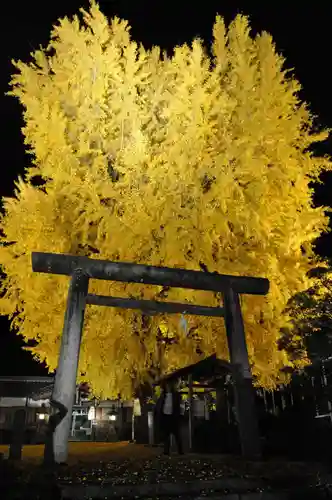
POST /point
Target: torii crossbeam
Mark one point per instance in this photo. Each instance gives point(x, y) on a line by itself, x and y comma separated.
point(81, 269)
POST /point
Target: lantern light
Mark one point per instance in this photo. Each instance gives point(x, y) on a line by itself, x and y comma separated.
point(92, 413)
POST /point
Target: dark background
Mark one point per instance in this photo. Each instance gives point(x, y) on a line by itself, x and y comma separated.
point(302, 34)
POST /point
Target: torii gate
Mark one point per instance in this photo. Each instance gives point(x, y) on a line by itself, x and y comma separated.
point(81, 269)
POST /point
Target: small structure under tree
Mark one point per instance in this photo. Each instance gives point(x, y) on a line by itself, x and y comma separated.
point(207, 373)
point(81, 269)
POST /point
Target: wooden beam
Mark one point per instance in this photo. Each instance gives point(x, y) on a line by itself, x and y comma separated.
point(149, 275)
point(243, 386)
point(191, 413)
point(153, 307)
point(207, 387)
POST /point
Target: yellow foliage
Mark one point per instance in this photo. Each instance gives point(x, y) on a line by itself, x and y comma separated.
point(166, 161)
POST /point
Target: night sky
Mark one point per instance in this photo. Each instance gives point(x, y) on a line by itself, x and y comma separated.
point(302, 34)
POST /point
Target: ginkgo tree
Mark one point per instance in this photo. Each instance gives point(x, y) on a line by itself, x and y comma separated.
point(182, 160)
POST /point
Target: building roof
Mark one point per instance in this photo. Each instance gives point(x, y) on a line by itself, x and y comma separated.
point(208, 370)
point(24, 387)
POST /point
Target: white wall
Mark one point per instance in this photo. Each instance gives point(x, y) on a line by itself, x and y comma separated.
point(15, 402)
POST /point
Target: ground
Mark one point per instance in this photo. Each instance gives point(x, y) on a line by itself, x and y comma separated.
point(89, 460)
point(90, 452)
point(124, 466)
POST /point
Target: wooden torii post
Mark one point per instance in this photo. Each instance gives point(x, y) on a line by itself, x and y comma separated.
point(81, 269)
